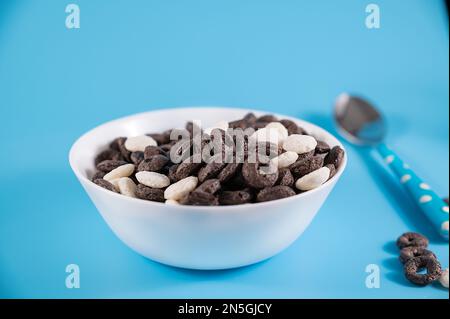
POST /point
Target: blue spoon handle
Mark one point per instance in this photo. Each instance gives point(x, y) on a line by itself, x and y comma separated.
point(431, 204)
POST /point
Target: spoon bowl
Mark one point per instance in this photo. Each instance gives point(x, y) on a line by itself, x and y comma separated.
point(358, 121)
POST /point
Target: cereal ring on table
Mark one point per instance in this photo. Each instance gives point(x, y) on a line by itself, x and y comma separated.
point(413, 265)
point(254, 178)
point(235, 197)
point(275, 192)
point(412, 252)
point(412, 239)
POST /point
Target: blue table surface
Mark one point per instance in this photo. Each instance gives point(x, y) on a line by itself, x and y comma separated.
point(291, 57)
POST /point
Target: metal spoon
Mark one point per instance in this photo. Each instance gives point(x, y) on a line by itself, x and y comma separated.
point(361, 123)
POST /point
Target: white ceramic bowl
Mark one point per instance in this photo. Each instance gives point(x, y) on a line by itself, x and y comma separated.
point(189, 236)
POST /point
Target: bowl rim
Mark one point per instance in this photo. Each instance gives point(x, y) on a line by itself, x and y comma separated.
point(84, 178)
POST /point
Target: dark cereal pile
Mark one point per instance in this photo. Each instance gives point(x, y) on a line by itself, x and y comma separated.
point(249, 160)
point(415, 257)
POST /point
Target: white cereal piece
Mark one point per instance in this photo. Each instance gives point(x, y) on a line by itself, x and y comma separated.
point(172, 202)
point(115, 182)
point(270, 135)
point(223, 125)
point(282, 131)
point(152, 179)
point(299, 143)
point(139, 143)
point(444, 278)
point(285, 159)
point(313, 179)
point(126, 186)
point(181, 188)
point(121, 171)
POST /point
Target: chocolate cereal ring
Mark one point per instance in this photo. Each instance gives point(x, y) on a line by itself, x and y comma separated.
point(412, 252)
point(275, 192)
point(105, 184)
point(335, 156)
point(254, 178)
point(285, 177)
point(137, 157)
point(200, 198)
point(148, 193)
point(152, 150)
point(322, 147)
point(153, 164)
point(413, 265)
point(108, 165)
point(228, 172)
point(305, 166)
point(210, 186)
point(210, 171)
point(412, 239)
point(235, 197)
point(109, 154)
point(98, 175)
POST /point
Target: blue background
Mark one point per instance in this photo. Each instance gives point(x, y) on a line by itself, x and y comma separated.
point(291, 57)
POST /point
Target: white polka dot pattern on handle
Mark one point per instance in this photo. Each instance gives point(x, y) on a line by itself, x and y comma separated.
point(405, 178)
point(389, 159)
point(445, 209)
point(444, 226)
point(425, 199)
point(424, 186)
